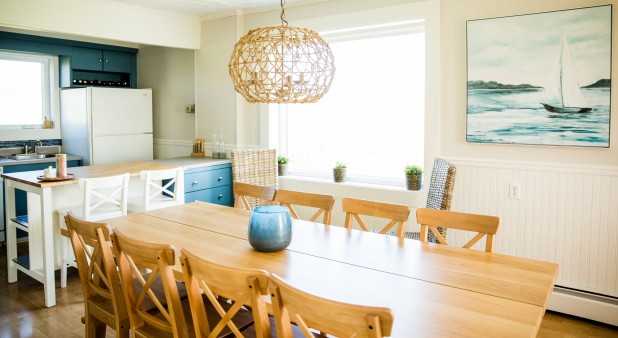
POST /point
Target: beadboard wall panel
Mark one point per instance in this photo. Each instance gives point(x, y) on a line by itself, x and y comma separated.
point(565, 215)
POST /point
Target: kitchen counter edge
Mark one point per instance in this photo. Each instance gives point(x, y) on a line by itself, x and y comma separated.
point(188, 162)
point(5, 162)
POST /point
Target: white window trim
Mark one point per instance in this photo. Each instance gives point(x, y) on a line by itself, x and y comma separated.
point(51, 100)
point(429, 11)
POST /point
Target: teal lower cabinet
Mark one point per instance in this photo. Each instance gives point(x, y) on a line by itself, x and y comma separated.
point(211, 184)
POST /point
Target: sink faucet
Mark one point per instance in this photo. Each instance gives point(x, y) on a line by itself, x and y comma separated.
point(35, 145)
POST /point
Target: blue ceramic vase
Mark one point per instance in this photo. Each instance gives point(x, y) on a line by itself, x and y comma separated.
point(270, 228)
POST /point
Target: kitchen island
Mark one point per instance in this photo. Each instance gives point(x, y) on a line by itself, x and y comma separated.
point(43, 198)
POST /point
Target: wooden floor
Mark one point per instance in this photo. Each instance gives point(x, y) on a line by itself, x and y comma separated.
point(23, 312)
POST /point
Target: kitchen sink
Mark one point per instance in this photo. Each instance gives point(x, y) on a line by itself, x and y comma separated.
point(27, 156)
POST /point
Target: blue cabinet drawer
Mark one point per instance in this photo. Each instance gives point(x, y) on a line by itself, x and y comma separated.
point(219, 195)
point(200, 180)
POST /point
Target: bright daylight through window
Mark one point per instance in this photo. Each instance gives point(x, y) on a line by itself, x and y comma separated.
point(372, 118)
point(24, 90)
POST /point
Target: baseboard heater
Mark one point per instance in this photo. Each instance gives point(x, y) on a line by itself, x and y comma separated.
point(584, 304)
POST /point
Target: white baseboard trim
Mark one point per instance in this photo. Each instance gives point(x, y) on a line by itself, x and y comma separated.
point(597, 308)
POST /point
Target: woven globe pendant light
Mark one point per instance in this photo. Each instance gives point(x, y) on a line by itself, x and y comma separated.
point(282, 64)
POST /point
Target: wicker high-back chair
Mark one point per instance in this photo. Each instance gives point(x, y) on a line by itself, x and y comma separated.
point(255, 166)
point(441, 190)
point(440, 193)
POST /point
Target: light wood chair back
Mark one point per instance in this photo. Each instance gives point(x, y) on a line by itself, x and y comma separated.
point(397, 214)
point(133, 255)
point(255, 166)
point(161, 189)
point(242, 286)
point(244, 191)
point(328, 316)
point(323, 203)
point(430, 219)
point(103, 297)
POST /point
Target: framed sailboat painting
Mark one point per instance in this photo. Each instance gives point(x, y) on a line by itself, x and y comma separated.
point(540, 79)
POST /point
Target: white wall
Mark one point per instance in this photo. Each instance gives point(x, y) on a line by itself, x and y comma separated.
point(170, 72)
point(565, 214)
point(103, 20)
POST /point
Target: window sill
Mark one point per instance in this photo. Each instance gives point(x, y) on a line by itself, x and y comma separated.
point(385, 193)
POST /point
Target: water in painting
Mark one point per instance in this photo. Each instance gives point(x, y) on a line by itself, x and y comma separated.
point(516, 116)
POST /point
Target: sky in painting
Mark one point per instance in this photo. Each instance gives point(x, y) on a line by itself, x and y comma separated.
point(525, 49)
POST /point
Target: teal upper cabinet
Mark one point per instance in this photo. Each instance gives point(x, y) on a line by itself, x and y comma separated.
point(81, 63)
point(101, 60)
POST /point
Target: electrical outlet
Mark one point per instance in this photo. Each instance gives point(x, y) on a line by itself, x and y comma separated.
point(514, 190)
point(190, 108)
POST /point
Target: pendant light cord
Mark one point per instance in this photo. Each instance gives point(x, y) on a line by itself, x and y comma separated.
point(283, 21)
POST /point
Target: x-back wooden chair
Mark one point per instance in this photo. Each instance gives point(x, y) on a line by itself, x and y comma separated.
point(308, 311)
point(244, 191)
point(323, 203)
point(133, 255)
point(397, 214)
point(429, 219)
point(241, 286)
point(103, 297)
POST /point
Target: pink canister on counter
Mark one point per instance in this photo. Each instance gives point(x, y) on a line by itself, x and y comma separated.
point(61, 165)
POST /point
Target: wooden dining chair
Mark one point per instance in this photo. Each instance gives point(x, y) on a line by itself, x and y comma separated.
point(327, 316)
point(430, 219)
point(240, 286)
point(397, 214)
point(103, 298)
point(247, 196)
point(161, 189)
point(257, 167)
point(102, 198)
point(323, 203)
point(133, 256)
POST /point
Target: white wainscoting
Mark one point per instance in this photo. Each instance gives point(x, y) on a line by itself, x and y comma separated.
point(567, 215)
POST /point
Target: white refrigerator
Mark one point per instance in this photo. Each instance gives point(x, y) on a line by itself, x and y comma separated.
point(107, 125)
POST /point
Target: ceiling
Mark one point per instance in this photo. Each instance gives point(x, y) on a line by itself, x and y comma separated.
point(208, 8)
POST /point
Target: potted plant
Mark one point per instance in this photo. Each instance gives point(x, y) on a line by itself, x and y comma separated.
point(339, 172)
point(283, 165)
point(414, 177)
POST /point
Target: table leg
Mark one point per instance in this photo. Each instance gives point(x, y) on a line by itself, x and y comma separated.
point(48, 247)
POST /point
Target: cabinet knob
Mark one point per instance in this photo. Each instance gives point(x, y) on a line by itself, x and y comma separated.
point(106, 60)
point(194, 183)
point(220, 196)
point(100, 60)
point(220, 178)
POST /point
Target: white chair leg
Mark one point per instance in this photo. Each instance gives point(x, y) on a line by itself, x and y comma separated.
point(63, 264)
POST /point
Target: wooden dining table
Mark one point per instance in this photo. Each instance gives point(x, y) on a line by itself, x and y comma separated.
point(434, 290)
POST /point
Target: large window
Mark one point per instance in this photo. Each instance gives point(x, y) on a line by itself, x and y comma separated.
point(25, 88)
point(372, 118)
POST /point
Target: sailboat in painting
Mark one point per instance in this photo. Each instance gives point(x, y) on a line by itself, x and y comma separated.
point(569, 97)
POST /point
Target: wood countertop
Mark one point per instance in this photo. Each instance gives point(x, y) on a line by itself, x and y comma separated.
point(133, 168)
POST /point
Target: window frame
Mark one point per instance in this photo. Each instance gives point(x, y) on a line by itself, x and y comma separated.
point(277, 113)
point(50, 98)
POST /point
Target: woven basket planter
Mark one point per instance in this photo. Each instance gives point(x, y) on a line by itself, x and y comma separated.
point(414, 182)
point(339, 174)
point(283, 169)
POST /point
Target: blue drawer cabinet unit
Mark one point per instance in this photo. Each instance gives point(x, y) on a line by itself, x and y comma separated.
point(211, 184)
